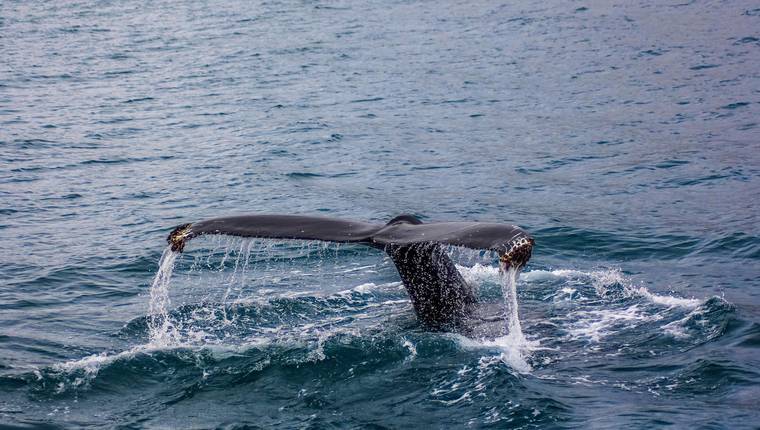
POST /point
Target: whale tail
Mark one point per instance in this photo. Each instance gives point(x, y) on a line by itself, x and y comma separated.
point(440, 296)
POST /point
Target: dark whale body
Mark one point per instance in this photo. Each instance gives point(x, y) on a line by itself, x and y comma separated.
point(440, 296)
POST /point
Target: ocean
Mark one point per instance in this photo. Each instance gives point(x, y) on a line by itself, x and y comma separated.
point(624, 136)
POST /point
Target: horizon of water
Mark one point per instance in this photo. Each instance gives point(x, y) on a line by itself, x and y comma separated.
point(622, 136)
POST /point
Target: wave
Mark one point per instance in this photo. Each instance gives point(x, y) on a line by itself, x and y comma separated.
point(603, 313)
point(605, 281)
point(339, 351)
point(571, 312)
point(601, 280)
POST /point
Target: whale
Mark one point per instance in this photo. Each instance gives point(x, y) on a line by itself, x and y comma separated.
point(441, 298)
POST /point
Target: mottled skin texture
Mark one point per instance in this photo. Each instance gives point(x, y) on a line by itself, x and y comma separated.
point(441, 298)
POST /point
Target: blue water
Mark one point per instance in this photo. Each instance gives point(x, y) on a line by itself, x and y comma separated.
point(624, 137)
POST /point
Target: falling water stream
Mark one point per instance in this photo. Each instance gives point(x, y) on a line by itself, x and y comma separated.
point(162, 330)
point(519, 346)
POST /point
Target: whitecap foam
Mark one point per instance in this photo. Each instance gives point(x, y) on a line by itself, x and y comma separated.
point(368, 287)
point(539, 276)
point(601, 280)
point(698, 320)
point(669, 301)
point(512, 351)
point(594, 325)
point(676, 328)
point(411, 348)
point(90, 366)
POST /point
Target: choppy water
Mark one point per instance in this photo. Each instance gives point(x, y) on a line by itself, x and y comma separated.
point(623, 136)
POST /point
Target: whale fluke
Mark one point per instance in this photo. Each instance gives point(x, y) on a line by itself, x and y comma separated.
point(440, 296)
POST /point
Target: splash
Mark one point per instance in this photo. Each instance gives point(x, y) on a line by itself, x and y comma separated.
point(511, 313)
point(601, 280)
point(241, 257)
point(162, 330)
point(222, 318)
point(517, 346)
point(514, 346)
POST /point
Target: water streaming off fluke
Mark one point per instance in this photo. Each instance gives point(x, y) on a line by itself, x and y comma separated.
point(235, 274)
point(517, 345)
point(162, 331)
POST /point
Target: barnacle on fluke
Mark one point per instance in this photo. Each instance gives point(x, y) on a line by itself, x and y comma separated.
point(518, 253)
point(179, 236)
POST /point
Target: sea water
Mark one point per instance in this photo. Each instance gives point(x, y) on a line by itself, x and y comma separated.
point(622, 136)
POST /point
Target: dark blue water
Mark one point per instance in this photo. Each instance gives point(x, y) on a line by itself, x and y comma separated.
point(624, 137)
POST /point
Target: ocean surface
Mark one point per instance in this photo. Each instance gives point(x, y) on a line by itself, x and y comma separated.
point(625, 136)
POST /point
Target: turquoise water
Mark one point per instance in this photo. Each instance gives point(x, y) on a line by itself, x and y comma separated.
point(624, 137)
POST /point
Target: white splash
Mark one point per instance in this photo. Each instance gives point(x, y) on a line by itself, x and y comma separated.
point(594, 325)
point(91, 365)
point(411, 348)
point(698, 320)
point(514, 346)
point(479, 273)
point(669, 301)
point(511, 313)
point(602, 279)
point(517, 346)
point(162, 331)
